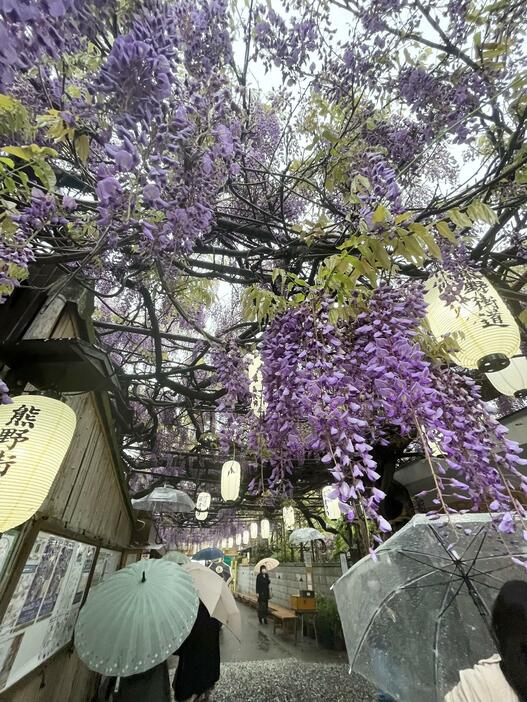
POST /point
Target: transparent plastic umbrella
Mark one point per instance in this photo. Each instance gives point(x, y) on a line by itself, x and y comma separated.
point(176, 557)
point(136, 618)
point(421, 612)
point(216, 596)
point(269, 563)
point(165, 499)
point(305, 536)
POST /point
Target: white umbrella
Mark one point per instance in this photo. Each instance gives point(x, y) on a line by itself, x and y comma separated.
point(269, 563)
point(216, 596)
point(165, 499)
point(136, 618)
point(176, 557)
point(305, 536)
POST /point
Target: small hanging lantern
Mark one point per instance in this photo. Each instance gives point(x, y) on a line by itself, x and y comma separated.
point(331, 504)
point(35, 434)
point(288, 515)
point(238, 539)
point(512, 381)
point(224, 543)
point(254, 530)
point(484, 328)
point(231, 474)
point(230, 543)
point(202, 506)
point(246, 537)
point(265, 529)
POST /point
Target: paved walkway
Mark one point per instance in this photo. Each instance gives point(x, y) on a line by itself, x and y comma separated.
point(270, 668)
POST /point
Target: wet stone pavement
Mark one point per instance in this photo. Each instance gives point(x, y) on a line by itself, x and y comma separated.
point(270, 668)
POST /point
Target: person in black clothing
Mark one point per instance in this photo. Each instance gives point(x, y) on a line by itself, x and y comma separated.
point(199, 659)
point(263, 585)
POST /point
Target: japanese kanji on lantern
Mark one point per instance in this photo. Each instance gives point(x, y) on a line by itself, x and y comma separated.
point(35, 434)
point(481, 323)
point(202, 506)
point(331, 503)
point(231, 473)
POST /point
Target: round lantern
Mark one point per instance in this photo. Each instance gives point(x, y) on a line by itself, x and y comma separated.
point(230, 542)
point(202, 506)
point(254, 530)
point(265, 529)
point(246, 536)
point(511, 381)
point(231, 474)
point(481, 323)
point(238, 539)
point(35, 434)
point(331, 504)
point(288, 514)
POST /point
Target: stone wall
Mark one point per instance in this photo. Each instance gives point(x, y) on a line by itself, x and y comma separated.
point(288, 579)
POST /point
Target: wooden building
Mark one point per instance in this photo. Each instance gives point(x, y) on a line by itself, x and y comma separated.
point(81, 533)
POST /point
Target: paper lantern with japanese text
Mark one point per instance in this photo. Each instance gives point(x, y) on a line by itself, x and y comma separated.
point(288, 514)
point(246, 537)
point(35, 434)
point(331, 504)
point(480, 322)
point(231, 474)
point(511, 381)
point(238, 539)
point(265, 529)
point(202, 506)
point(254, 530)
point(230, 543)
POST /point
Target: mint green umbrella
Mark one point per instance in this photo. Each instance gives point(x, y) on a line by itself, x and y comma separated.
point(176, 557)
point(136, 618)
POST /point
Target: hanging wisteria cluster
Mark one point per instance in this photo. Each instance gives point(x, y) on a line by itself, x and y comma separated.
point(339, 388)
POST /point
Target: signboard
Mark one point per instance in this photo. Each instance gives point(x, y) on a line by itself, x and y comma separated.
point(7, 541)
point(43, 609)
point(107, 563)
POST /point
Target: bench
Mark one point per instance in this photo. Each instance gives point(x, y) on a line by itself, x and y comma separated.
point(281, 616)
point(250, 600)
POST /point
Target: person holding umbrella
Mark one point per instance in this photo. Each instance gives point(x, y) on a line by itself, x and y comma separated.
point(263, 590)
point(502, 677)
point(199, 660)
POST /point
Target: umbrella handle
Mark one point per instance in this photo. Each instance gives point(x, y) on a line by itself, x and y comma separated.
point(117, 685)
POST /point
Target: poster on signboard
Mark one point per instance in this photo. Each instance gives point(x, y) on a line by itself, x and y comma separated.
point(41, 616)
point(107, 563)
point(19, 596)
point(8, 652)
point(40, 582)
point(7, 541)
point(59, 573)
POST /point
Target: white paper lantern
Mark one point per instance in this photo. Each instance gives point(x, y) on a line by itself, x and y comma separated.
point(35, 434)
point(231, 474)
point(331, 504)
point(246, 536)
point(484, 328)
point(238, 539)
point(288, 514)
point(511, 381)
point(202, 506)
point(230, 543)
point(254, 530)
point(224, 543)
point(265, 529)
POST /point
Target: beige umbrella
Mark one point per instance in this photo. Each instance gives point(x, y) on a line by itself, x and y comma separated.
point(176, 557)
point(269, 563)
point(216, 596)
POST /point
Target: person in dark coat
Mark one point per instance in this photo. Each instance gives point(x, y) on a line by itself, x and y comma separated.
point(199, 659)
point(151, 686)
point(263, 585)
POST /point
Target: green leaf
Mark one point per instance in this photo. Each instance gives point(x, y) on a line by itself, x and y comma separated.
point(426, 237)
point(381, 214)
point(82, 147)
point(459, 218)
point(445, 231)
